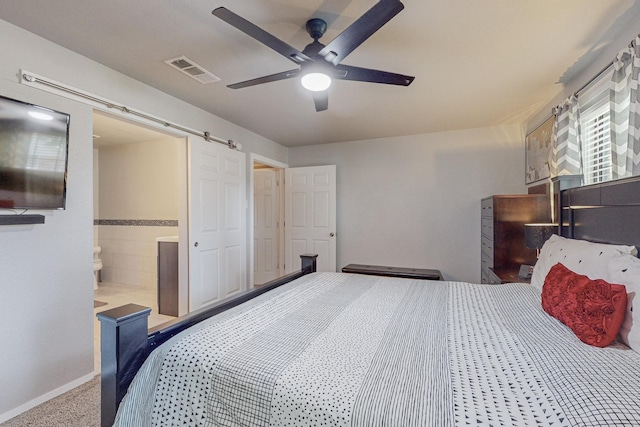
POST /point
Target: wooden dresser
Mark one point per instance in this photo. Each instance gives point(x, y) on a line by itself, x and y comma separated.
point(502, 236)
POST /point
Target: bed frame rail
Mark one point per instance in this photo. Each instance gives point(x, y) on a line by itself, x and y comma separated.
point(126, 341)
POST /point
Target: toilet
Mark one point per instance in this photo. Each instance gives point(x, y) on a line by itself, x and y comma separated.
point(97, 265)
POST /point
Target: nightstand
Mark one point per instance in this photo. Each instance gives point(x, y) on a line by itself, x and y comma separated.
point(498, 276)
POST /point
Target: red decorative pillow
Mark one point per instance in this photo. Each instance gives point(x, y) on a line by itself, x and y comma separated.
point(592, 309)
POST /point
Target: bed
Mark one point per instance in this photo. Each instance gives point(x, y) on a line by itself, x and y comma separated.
point(348, 349)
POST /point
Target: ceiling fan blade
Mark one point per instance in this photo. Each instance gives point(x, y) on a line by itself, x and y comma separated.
point(347, 72)
point(360, 30)
point(261, 35)
point(266, 79)
point(321, 99)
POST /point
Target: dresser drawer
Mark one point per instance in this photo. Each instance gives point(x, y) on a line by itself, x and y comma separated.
point(487, 249)
point(486, 228)
point(487, 261)
point(484, 278)
point(487, 207)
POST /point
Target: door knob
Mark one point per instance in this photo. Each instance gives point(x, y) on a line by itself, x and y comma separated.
point(332, 234)
point(195, 244)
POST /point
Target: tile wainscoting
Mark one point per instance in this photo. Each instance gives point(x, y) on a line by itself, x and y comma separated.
point(129, 249)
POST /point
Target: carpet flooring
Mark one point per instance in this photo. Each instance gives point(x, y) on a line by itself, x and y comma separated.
point(79, 407)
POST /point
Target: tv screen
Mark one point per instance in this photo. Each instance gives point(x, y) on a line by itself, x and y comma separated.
point(33, 156)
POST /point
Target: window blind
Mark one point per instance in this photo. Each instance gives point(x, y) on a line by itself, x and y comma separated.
point(595, 131)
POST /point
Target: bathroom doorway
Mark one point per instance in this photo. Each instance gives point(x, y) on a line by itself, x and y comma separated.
point(139, 197)
point(268, 229)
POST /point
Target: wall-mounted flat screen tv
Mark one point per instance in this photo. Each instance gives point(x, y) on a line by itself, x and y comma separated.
point(33, 156)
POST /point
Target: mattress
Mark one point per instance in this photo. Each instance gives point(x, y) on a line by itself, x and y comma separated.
point(353, 350)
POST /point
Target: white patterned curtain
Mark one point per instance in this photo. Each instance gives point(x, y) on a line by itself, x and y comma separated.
point(625, 112)
point(565, 152)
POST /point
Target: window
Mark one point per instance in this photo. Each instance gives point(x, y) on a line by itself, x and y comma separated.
point(595, 136)
point(596, 146)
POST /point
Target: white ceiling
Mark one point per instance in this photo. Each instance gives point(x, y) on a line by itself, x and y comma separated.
point(109, 131)
point(476, 63)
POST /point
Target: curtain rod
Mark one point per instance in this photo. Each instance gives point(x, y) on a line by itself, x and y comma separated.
point(596, 77)
point(605, 69)
point(205, 135)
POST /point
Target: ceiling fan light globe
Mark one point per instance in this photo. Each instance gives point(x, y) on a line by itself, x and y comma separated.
point(315, 82)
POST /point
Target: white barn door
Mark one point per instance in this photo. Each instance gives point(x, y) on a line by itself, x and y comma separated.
point(217, 224)
point(310, 216)
point(265, 225)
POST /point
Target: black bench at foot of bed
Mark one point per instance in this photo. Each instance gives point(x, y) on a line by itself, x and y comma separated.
point(126, 340)
point(408, 273)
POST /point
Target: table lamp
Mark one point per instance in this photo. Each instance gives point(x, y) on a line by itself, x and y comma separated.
point(536, 234)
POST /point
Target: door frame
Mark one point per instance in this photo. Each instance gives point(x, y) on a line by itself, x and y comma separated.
point(253, 158)
point(181, 138)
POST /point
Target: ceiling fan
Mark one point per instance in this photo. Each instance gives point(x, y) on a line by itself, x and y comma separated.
point(319, 63)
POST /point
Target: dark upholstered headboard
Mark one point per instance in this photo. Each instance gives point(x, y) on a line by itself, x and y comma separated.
point(605, 213)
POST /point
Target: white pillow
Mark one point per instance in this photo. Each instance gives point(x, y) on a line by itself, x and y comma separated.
point(625, 270)
point(582, 257)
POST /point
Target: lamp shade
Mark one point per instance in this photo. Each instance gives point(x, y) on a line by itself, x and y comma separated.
point(536, 234)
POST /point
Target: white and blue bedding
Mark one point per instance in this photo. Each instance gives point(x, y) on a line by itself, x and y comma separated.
point(352, 350)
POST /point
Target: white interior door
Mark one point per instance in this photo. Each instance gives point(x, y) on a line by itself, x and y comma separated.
point(265, 225)
point(310, 216)
point(217, 225)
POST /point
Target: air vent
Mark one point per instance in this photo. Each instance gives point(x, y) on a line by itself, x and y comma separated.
point(191, 69)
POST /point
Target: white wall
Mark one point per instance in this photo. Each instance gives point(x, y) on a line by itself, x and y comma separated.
point(414, 201)
point(129, 253)
point(46, 270)
point(46, 278)
point(140, 181)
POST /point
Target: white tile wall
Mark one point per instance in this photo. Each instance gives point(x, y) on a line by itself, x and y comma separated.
point(129, 253)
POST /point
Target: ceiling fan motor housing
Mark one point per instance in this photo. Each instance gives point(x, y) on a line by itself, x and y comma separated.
point(316, 28)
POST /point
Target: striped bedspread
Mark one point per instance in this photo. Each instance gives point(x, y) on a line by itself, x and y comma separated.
point(335, 349)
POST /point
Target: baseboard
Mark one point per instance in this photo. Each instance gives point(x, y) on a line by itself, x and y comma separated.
point(45, 397)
